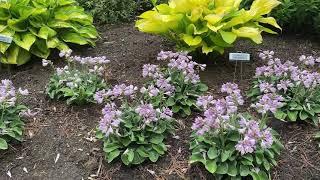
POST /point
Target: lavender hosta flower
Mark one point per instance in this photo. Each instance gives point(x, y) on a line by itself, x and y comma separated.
point(164, 85)
point(99, 96)
point(151, 70)
point(230, 88)
point(247, 145)
point(147, 112)
point(267, 139)
point(284, 85)
point(308, 61)
point(266, 55)
point(266, 87)
point(151, 90)
point(7, 93)
point(205, 101)
point(65, 53)
point(269, 102)
point(111, 119)
point(23, 92)
point(166, 113)
point(167, 55)
point(200, 126)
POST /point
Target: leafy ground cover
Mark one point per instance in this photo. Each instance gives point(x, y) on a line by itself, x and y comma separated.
point(60, 144)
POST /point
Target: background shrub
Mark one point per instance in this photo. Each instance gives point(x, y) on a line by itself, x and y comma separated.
point(113, 11)
point(296, 15)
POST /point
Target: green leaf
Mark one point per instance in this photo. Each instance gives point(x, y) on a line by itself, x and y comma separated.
point(74, 38)
point(232, 169)
point(196, 157)
point(212, 153)
point(142, 151)
point(225, 155)
point(175, 109)
point(153, 156)
point(157, 138)
point(187, 110)
point(228, 37)
point(112, 155)
point(280, 115)
point(303, 115)
point(203, 87)
point(3, 144)
point(211, 166)
point(170, 102)
point(24, 40)
point(222, 168)
point(244, 170)
point(293, 115)
point(46, 32)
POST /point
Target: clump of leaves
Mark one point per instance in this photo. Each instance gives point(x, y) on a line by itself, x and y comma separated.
point(232, 145)
point(176, 86)
point(292, 92)
point(208, 25)
point(77, 82)
point(11, 113)
point(135, 130)
point(37, 26)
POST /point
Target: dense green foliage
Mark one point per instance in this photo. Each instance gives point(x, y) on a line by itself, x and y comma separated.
point(297, 15)
point(37, 26)
point(114, 11)
point(208, 25)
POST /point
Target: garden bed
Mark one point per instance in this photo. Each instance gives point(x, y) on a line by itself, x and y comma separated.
point(59, 143)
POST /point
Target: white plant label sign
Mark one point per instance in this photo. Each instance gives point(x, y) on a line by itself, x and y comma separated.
point(5, 39)
point(239, 56)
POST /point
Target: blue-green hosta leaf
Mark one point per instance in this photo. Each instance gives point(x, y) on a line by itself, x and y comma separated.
point(24, 40)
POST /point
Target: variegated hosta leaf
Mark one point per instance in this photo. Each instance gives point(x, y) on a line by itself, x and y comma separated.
point(37, 26)
point(211, 25)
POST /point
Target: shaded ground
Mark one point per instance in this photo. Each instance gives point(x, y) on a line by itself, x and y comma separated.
point(67, 131)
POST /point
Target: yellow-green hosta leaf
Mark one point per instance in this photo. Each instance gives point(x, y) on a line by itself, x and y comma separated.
point(6, 32)
point(24, 40)
point(269, 20)
point(75, 38)
point(40, 49)
point(185, 6)
point(63, 46)
point(214, 28)
point(192, 29)
point(228, 37)
point(17, 55)
point(207, 50)
point(191, 41)
point(46, 32)
point(249, 32)
point(53, 42)
point(241, 18)
point(228, 3)
point(65, 2)
point(213, 18)
point(262, 7)
point(19, 25)
point(196, 14)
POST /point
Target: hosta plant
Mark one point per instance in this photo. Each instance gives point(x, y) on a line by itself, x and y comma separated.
point(232, 145)
point(11, 113)
point(292, 92)
point(176, 86)
point(208, 25)
point(78, 81)
point(37, 26)
point(134, 131)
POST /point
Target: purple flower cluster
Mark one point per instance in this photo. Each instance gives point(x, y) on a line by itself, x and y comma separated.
point(269, 102)
point(147, 112)
point(8, 93)
point(217, 112)
point(265, 55)
point(111, 119)
point(253, 136)
point(151, 70)
point(116, 92)
point(290, 74)
point(309, 60)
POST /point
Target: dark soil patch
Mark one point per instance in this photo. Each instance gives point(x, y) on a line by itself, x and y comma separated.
point(68, 130)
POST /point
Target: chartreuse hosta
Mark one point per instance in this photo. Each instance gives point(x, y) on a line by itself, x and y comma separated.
point(37, 26)
point(208, 25)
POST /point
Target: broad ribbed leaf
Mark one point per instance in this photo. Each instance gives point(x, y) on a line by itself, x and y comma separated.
point(17, 55)
point(24, 40)
point(74, 38)
point(46, 32)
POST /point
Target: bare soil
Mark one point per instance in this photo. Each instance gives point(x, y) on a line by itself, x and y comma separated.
point(67, 131)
